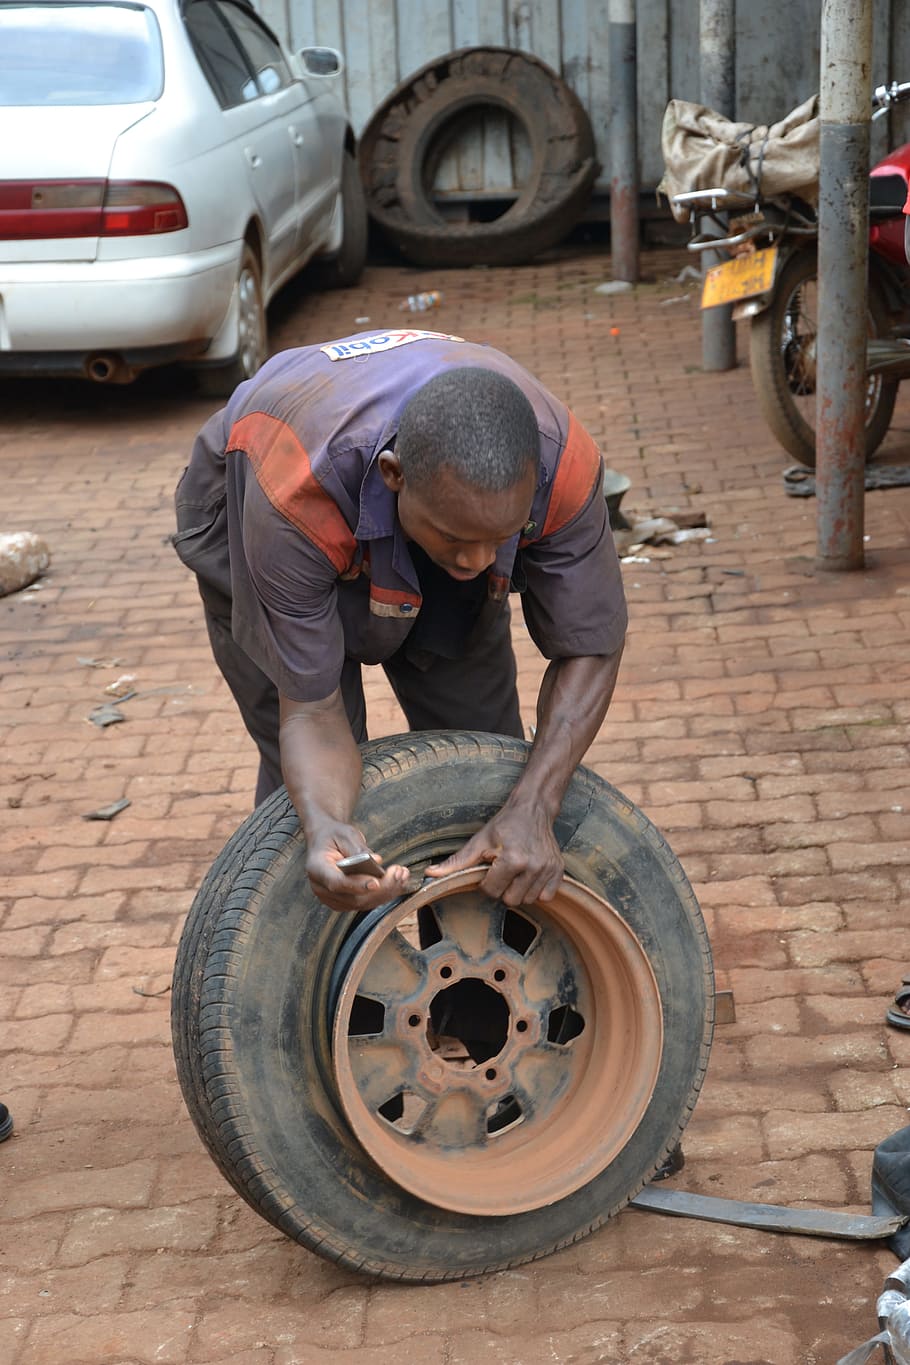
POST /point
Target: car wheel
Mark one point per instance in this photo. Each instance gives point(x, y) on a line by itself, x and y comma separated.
point(345, 268)
point(445, 1086)
point(220, 381)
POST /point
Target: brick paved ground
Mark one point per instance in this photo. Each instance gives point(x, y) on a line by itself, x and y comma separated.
point(761, 720)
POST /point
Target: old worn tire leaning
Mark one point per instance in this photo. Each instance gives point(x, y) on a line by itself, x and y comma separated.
point(257, 972)
point(777, 380)
point(403, 143)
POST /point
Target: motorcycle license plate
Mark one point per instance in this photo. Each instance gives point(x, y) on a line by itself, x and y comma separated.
point(741, 278)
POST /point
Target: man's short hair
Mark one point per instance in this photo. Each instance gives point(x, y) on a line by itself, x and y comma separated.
point(474, 422)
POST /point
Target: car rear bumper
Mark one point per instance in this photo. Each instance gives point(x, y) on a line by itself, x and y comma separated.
point(69, 312)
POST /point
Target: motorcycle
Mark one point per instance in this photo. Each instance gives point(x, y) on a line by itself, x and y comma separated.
point(770, 277)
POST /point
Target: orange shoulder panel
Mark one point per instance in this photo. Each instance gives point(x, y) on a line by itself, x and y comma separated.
point(285, 475)
point(579, 466)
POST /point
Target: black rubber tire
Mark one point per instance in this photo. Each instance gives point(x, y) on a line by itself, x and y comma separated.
point(250, 1016)
point(401, 146)
point(769, 372)
point(220, 381)
point(345, 268)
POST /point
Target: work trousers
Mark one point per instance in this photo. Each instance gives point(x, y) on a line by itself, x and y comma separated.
point(476, 691)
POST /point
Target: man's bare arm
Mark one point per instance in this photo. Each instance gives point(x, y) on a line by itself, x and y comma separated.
point(321, 766)
point(527, 864)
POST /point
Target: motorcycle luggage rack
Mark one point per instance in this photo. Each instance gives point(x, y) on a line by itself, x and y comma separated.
point(709, 203)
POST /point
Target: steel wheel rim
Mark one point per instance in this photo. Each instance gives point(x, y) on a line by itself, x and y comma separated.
point(249, 322)
point(799, 353)
point(570, 1013)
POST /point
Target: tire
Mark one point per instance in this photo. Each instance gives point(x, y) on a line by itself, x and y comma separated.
point(250, 1011)
point(345, 268)
point(404, 142)
point(783, 371)
point(220, 381)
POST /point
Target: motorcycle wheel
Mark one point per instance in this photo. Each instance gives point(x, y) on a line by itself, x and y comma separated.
point(782, 352)
point(443, 1087)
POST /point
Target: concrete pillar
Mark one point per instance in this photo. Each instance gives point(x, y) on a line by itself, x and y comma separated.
point(624, 215)
point(717, 57)
point(843, 251)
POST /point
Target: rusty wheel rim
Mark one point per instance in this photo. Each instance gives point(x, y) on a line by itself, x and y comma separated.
point(492, 1061)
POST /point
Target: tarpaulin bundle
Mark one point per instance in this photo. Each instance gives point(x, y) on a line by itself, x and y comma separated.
point(703, 150)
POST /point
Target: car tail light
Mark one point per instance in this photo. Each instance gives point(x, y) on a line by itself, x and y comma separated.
point(32, 210)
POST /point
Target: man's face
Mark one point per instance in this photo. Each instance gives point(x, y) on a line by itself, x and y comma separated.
point(460, 527)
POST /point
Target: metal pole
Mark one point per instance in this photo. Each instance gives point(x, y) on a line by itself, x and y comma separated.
point(717, 55)
point(624, 228)
point(843, 251)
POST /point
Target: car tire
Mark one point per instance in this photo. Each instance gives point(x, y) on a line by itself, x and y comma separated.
point(262, 965)
point(402, 145)
point(220, 381)
point(345, 268)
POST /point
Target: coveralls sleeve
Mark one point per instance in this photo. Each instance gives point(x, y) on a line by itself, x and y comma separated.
point(573, 600)
point(289, 623)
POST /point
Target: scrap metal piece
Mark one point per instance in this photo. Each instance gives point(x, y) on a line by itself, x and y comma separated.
point(108, 812)
point(854, 1227)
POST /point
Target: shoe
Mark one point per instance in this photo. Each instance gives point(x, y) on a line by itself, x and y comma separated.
point(6, 1123)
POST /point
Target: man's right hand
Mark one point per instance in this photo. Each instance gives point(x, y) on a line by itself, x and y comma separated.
point(342, 891)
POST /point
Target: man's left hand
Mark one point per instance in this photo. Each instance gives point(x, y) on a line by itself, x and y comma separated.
point(526, 862)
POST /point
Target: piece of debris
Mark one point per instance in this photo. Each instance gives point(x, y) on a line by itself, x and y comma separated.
point(24, 556)
point(724, 1008)
point(122, 686)
point(677, 298)
point(799, 482)
point(137, 990)
point(108, 812)
point(361, 322)
point(99, 663)
point(688, 272)
point(658, 531)
point(613, 287)
point(105, 715)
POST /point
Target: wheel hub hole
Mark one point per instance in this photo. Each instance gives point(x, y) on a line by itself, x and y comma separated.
point(564, 1024)
point(403, 1110)
point(469, 1022)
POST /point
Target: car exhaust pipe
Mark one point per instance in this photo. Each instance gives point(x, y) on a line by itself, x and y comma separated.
point(104, 369)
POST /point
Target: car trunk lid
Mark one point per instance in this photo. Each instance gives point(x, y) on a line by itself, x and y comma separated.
point(54, 179)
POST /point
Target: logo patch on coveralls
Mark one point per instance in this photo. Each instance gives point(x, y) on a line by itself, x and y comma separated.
point(382, 341)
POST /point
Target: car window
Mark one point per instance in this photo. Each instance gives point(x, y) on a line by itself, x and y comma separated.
point(58, 54)
point(267, 59)
point(226, 67)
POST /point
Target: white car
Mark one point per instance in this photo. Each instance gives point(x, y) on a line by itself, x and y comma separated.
point(166, 166)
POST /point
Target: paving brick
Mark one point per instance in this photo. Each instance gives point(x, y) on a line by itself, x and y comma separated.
point(110, 1229)
point(150, 1337)
point(121, 1188)
point(791, 1134)
point(44, 1034)
point(765, 1053)
point(335, 1322)
point(85, 1290)
point(599, 1343)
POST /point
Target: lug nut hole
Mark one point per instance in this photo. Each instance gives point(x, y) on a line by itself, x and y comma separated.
point(490, 1073)
point(414, 1020)
point(445, 972)
point(522, 1026)
point(499, 975)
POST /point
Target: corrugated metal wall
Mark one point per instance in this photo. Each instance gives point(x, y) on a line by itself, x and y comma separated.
point(383, 41)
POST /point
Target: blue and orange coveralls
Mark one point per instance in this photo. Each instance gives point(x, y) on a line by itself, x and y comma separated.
point(304, 571)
